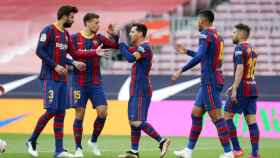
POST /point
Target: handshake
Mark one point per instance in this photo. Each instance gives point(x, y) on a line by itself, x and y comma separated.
point(120, 33)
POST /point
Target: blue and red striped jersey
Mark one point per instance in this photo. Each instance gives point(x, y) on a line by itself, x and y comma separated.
point(140, 84)
point(210, 54)
point(245, 54)
point(92, 75)
point(52, 48)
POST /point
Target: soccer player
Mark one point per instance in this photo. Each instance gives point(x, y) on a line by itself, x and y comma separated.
point(53, 46)
point(243, 93)
point(210, 55)
point(140, 54)
point(88, 84)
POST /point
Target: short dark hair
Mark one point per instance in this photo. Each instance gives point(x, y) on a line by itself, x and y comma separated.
point(66, 10)
point(208, 14)
point(90, 16)
point(140, 28)
point(244, 28)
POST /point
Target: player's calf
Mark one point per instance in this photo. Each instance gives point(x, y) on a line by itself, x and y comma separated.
point(233, 134)
point(222, 128)
point(78, 127)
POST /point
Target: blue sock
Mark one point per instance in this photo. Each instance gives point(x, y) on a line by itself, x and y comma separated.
point(98, 127)
point(150, 131)
point(135, 137)
point(41, 123)
point(78, 132)
point(254, 137)
point(233, 135)
point(58, 131)
point(223, 134)
point(195, 131)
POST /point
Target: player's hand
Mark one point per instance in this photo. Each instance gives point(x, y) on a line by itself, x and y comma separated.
point(228, 91)
point(233, 95)
point(80, 65)
point(111, 30)
point(60, 70)
point(176, 75)
point(102, 52)
point(123, 36)
point(180, 49)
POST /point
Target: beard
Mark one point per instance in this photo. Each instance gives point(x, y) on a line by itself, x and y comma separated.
point(200, 29)
point(93, 31)
point(67, 24)
point(235, 41)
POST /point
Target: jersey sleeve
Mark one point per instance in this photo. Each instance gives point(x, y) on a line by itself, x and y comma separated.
point(108, 43)
point(42, 47)
point(191, 52)
point(202, 49)
point(144, 50)
point(238, 55)
point(125, 52)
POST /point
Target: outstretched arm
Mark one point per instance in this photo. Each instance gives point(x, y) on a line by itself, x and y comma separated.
point(191, 53)
point(125, 52)
point(109, 43)
point(197, 58)
point(75, 53)
point(182, 50)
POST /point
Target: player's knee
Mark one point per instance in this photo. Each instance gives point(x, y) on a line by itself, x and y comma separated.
point(250, 119)
point(80, 112)
point(51, 111)
point(197, 112)
point(102, 112)
point(228, 115)
point(215, 114)
point(135, 124)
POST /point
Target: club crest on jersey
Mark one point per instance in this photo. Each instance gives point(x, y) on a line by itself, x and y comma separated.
point(61, 46)
point(238, 53)
point(43, 37)
point(95, 42)
point(202, 36)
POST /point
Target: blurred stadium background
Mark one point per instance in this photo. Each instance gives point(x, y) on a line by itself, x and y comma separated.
point(169, 22)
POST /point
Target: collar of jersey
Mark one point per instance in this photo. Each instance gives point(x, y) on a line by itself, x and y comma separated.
point(87, 37)
point(56, 26)
point(244, 42)
point(143, 42)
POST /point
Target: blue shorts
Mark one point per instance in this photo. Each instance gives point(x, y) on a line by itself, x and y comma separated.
point(208, 98)
point(246, 105)
point(138, 108)
point(79, 95)
point(54, 94)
